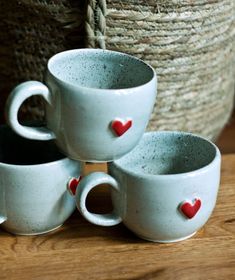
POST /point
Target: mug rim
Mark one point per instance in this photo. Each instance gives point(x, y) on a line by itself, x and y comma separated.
point(194, 172)
point(95, 50)
point(36, 165)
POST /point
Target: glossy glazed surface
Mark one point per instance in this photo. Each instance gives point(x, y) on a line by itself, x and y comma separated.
point(33, 181)
point(88, 91)
point(164, 190)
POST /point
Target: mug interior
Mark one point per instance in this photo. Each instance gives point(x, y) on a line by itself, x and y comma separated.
point(100, 69)
point(160, 153)
point(16, 150)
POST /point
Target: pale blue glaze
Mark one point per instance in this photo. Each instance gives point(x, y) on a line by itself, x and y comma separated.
point(150, 184)
point(33, 177)
point(86, 90)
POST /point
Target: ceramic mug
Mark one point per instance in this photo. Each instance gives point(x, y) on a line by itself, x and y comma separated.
point(33, 176)
point(164, 190)
point(98, 103)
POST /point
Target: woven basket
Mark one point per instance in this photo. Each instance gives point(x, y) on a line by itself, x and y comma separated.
point(31, 31)
point(190, 43)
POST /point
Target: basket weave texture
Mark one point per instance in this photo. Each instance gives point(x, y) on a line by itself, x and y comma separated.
point(190, 44)
point(31, 31)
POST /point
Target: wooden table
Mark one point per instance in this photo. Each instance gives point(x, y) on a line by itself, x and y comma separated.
point(79, 250)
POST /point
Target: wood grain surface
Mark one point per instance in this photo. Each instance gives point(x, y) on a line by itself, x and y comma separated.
point(226, 141)
point(79, 250)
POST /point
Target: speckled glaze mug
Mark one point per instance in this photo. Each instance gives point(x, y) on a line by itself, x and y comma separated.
point(33, 176)
point(164, 190)
point(98, 103)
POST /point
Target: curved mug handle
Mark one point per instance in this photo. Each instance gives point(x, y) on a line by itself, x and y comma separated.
point(85, 186)
point(15, 100)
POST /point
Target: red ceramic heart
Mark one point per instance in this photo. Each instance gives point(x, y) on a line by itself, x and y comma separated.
point(190, 210)
point(72, 185)
point(120, 127)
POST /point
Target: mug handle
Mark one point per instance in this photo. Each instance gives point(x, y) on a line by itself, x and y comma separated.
point(85, 186)
point(15, 100)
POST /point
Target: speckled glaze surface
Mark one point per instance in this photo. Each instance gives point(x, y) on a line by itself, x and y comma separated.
point(98, 103)
point(33, 176)
point(164, 190)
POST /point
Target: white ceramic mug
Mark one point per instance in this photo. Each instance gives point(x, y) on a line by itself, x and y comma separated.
point(164, 190)
point(98, 103)
point(33, 176)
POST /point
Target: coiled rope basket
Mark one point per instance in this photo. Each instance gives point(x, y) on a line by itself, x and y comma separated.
point(190, 44)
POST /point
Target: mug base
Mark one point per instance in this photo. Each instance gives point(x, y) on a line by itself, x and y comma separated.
point(32, 233)
point(168, 241)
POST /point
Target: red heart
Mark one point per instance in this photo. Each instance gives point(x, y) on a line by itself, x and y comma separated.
point(190, 210)
point(72, 185)
point(120, 127)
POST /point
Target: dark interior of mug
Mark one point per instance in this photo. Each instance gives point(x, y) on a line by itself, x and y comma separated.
point(100, 69)
point(168, 153)
point(20, 151)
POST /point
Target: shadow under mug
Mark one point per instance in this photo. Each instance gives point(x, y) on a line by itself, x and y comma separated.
point(33, 176)
point(98, 103)
point(164, 190)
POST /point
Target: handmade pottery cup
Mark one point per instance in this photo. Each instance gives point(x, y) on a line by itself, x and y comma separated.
point(164, 190)
point(33, 176)
point(98, 103)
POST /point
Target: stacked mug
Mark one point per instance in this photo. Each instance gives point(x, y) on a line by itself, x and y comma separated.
point(164, 184)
